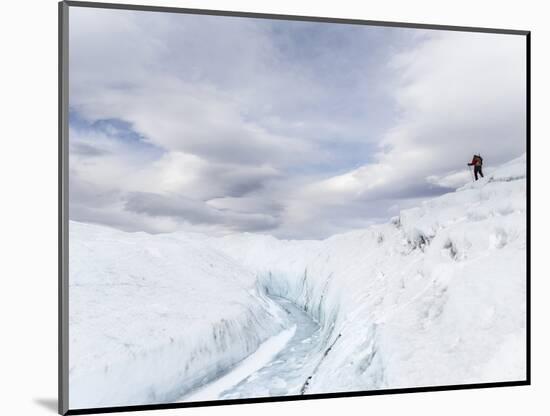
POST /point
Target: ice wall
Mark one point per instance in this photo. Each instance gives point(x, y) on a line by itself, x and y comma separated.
point(154, 316)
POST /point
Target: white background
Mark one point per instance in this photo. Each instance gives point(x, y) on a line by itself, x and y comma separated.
point(28, 229)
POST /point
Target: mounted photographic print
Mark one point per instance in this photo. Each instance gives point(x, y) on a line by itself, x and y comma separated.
point(263, 207)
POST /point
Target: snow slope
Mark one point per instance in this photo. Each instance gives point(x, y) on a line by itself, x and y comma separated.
point(435, 297)
point(152, 317)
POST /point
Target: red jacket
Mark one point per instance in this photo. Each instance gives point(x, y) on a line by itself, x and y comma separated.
point(476, 161)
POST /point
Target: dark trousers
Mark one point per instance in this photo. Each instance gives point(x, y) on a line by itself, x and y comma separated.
point(477, 170)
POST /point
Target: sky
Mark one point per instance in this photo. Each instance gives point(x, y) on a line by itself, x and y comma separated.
point(300, 130)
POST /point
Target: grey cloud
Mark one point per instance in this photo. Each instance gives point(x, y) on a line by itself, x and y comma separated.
point(158, 205)
point(243, 188)
point(406, 190)
point(91, 203)
point(84, 149)
point(113, 217)
point(238, 181)
point(196, 212)
point(84, 192)
point(269, 203)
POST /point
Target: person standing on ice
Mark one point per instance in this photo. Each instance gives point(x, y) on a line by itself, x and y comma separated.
point(477, 162)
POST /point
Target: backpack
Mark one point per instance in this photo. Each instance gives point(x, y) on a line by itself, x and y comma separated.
point(477, 158)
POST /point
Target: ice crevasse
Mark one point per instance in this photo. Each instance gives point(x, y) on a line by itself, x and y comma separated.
point(437, 296)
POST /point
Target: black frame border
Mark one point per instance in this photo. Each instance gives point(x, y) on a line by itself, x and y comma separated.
point(63, 207)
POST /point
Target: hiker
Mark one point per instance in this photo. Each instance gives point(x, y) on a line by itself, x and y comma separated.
point(477, 162)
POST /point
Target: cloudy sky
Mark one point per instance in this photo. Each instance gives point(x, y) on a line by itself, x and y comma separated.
point(295, 129)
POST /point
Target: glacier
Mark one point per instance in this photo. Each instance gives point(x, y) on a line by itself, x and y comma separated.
point(436, 296)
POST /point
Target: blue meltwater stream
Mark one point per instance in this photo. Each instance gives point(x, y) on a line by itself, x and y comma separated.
point(279, 367)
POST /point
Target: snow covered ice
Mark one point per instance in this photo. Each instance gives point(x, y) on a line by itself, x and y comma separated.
point(435, 297)
point(153, 316)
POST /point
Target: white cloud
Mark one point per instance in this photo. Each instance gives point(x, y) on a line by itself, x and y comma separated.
point(240, 129)
point(460, 93)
